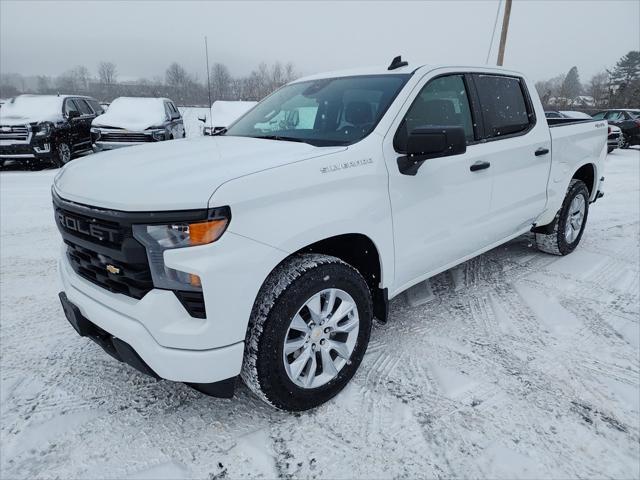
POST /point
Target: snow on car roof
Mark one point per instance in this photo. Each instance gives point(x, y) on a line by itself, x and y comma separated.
point(134, 113)
point(224, 112)
point(30, 107)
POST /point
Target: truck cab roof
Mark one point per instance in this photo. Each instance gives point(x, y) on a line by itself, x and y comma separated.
point(409, 69)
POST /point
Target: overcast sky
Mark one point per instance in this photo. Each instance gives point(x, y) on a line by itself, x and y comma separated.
point(142, 37)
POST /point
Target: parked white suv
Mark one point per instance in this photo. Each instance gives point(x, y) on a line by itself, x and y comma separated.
point(265, 252)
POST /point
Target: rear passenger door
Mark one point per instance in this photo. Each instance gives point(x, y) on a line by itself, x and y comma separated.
point(518, 145)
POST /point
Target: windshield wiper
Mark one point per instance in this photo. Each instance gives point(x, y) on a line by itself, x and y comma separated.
point(282, 138)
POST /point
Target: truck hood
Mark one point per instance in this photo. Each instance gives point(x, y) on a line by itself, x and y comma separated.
point(10, 120)
point(139, 124)
point(173, 175)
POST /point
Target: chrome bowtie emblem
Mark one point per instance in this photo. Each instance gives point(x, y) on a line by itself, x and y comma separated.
point(112, 269)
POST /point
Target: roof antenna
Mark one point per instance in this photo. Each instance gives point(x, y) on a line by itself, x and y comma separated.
point(206, 52)
point(397, 63)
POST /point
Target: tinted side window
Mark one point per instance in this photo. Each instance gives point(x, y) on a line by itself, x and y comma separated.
point(442, 101)
point(504, 106)
point(612, 116)
point(69, 106)
point(83, 106)
point(95, 106)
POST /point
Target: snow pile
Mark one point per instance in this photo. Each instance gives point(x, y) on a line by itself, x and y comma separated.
point(525, 365)
point(133, 114)
point(31, 108)
point(224, 113)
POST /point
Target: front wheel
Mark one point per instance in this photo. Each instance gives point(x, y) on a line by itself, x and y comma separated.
point(62, 155)
point(569, 222)
point(308, 332)
point(625, 141)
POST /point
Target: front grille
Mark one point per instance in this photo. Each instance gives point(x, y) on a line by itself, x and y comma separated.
point(18, 133)
point(124, 137)
point(101, 248)
point(131, 279)
point(97, 244)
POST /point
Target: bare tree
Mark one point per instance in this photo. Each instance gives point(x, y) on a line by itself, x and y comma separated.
point(176, 75)
point(107, 73)
point(82, 76)
point(43, 84)
point(221, 82)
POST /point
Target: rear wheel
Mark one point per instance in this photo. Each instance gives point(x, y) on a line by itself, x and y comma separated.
point(308, 332)
point(569, 222)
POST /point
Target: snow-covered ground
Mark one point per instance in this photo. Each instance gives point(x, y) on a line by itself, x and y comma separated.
point(524, 365)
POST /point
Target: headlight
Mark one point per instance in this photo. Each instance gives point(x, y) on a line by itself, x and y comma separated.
point(43, 129)
point(95, 134)
point(158, 238)
point(158, 135)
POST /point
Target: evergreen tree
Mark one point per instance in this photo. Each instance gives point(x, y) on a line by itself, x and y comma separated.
point(571, 87)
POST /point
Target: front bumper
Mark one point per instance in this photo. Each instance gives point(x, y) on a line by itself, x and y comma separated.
point(182, 365)
point(25, 151)
point(99, 146)
point(175, 345)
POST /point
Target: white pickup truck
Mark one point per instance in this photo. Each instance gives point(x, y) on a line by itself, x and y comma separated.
point(266, 251)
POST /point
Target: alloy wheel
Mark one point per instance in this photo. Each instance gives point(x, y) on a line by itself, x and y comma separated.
point(321, 338)
point(575, 219)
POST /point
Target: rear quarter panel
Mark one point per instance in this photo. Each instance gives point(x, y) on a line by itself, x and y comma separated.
point(573, 146)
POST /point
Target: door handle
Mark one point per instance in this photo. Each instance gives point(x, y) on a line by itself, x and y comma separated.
point(479, 165)
point(541, 151)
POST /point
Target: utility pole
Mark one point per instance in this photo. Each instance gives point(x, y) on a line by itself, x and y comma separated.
point(505, 28)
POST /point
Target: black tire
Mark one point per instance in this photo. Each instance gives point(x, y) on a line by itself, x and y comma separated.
point(62, 155)
point(555, 242)
point(625, 141)
point(610, 149)
point(282, 295)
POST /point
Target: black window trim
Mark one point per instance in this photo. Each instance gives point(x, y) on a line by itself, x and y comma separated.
point(474, 108)
point(531, 113)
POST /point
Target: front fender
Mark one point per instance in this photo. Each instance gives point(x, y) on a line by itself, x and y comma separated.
point(295, 205)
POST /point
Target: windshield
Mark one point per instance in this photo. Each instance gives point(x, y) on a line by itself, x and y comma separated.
point(41, 107)
point(331, 111)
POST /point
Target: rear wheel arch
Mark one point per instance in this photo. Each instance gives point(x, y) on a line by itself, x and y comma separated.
point(586, 173)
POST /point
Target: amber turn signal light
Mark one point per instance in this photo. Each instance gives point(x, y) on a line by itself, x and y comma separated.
point(206, 232)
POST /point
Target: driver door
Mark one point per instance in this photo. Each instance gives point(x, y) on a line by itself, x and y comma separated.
point(441, 214)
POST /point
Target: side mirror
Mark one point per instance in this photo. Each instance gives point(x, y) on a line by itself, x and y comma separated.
point(73, 114)
point(202, 119)
point(428, 142)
